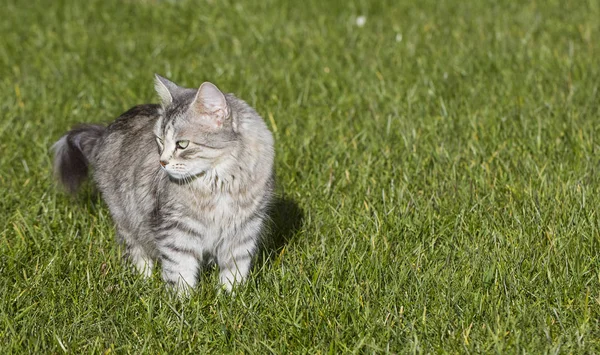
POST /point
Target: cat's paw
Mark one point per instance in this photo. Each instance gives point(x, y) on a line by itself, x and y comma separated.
point(229, 280)
point(145, 268)
point(141, 262)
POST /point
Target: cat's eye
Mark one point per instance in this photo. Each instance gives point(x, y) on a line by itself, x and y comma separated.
point(182, 144)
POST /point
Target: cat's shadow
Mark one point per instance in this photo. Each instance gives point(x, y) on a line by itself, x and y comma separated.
point(286, 219)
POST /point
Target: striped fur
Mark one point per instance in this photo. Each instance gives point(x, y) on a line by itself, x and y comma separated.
point(187, 182)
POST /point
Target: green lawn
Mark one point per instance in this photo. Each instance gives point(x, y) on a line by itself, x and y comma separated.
point(437, 175)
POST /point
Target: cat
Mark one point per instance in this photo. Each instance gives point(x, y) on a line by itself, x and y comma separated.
point(187, 182)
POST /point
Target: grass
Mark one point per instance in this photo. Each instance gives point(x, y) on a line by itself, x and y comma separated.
point(437, 175)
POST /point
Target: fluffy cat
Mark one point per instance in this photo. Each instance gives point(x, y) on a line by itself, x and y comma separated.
point(187, 182)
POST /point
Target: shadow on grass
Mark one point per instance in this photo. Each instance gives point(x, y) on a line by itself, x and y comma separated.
point(286, 220)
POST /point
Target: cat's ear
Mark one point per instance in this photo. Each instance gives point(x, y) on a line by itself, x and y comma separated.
point(211, 104)
point(165, 88)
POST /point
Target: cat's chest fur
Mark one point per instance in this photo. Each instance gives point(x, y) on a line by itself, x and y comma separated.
point(205, 221)
point(217, 209)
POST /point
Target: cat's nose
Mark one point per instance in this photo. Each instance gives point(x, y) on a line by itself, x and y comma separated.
point(163, 162)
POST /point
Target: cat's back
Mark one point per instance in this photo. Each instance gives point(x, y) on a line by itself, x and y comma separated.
point(130, 132)
point(136, 120)
point(128, 151)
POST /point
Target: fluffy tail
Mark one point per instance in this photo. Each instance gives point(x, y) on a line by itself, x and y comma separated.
point(72, 154)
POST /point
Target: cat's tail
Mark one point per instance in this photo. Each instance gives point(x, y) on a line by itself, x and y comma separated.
point(72, 154)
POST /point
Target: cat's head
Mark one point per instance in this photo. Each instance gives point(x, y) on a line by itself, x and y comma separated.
point(196, 130)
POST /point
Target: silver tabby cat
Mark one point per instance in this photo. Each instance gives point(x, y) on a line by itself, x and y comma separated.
point(187, 182)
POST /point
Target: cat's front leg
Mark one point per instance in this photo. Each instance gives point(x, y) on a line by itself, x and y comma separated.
point(234, 270)
point(179, 267)
point(235, 255)
point(140, 260)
